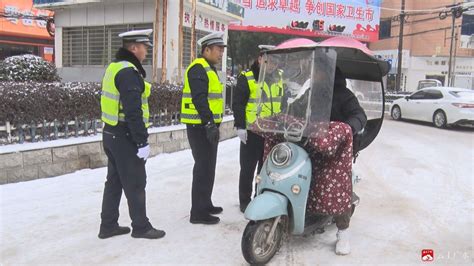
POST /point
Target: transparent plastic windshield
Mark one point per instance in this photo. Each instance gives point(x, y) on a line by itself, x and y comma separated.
point(370, 96)
point(295, 92)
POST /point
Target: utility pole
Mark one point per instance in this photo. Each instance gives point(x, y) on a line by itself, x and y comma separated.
point(193, 31)
point(400, 48)
point(155, 41)
point(454, 15)
point(454, 59)
point(163, 45)
point(180, 41)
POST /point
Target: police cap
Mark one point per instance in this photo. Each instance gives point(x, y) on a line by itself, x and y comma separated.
point(216, 38)
point(138, 36)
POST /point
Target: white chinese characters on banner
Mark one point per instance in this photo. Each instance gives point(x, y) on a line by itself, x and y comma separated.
point(25, 16)
point(41, 23)
point(12, 10)
point(204, 23)
point(353, 18)
point(26, 20)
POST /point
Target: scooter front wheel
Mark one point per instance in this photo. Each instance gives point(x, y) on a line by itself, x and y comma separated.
point(257, 248)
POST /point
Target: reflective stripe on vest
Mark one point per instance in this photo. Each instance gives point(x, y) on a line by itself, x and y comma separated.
point(110, 104)
point(189, 114)
point(270, 102)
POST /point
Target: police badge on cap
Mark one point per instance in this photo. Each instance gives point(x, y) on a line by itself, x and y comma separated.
point(138, 36)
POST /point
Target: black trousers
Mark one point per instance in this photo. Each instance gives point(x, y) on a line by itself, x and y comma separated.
point(204, 170)
point(251, 155)
point(125, 171)
point(343, 220)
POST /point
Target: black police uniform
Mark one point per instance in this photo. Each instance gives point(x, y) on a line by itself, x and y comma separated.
point(125, 170)
point(204, 152)
point(251, 153)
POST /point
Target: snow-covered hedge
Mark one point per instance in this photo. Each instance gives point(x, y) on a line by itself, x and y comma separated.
point(390, 97)
point(26, 102)
point(27, 68)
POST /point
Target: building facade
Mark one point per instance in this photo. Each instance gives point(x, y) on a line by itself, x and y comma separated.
point(20, 33)
point(426, 45)
point(86, 37)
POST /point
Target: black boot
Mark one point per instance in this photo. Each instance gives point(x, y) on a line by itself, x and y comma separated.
point(119, 230)
point(215, 210)
point(205, 219)
point(150, 234)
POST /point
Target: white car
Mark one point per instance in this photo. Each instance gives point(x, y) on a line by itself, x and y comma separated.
point(440, 105)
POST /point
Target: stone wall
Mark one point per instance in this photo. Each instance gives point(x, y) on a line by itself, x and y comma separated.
point(49, 162)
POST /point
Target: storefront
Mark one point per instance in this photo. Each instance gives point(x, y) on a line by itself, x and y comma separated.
point(21, 33)
point(87, 33)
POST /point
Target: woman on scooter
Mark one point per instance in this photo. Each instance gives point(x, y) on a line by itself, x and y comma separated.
point(334, 160)
point(331, 152)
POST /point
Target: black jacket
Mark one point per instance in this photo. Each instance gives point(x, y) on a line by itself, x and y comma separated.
point(199, 85)
point(241, 96)
point(131, 85)
point(346, 107)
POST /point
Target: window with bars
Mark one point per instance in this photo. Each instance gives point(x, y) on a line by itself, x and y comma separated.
point(96, 46)
point(187, 44)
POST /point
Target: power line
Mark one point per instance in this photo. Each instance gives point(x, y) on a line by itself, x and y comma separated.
point(436, 9)
point(400, 47)
point(427, 31)
point(21, 16)
point(422, 20)
point(48, 19)
point(413, 21)
point(418, 12)
point(414, 10)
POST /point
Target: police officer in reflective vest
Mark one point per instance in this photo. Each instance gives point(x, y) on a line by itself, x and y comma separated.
point(202, 108)
point(244, 105)
point(125, 112)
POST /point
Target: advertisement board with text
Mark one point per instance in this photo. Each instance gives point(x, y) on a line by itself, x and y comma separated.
point(359, 19)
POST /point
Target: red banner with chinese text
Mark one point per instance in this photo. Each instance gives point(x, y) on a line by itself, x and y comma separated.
point(359, 19)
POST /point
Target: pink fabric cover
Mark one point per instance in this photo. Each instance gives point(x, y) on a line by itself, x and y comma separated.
point(346, 42)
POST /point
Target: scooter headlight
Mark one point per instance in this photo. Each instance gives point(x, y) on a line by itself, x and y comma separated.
point(281, 155)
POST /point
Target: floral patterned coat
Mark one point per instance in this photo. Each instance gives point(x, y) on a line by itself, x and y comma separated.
point(330, 150)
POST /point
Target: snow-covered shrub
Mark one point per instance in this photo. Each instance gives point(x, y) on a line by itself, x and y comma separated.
point(26, 102)
point(27, 68)
point(165, 97)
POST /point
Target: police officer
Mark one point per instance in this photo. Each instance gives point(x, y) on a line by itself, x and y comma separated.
point(244, 106)
point(124, 105)
point(202, 108)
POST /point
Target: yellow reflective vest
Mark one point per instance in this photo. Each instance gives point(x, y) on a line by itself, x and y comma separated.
point(110, 104)
point(189, 114)
point(271, 99)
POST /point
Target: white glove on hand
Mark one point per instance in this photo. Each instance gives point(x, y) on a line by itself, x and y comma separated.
point(144, 152)
point(242, 133)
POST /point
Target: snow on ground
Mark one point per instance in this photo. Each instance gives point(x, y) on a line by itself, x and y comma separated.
point(416, 193)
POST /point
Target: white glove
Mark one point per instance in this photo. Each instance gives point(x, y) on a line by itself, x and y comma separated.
point(144, 152)
point(242, 133)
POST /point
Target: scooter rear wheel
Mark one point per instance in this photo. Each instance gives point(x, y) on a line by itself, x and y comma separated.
point(254, 246)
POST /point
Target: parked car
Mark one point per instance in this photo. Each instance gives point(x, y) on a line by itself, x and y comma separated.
point(425, 83)
point(442, 106)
